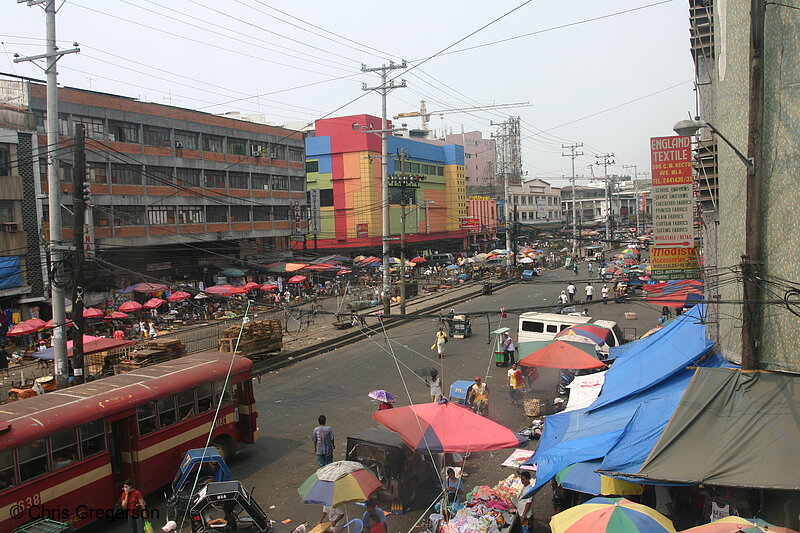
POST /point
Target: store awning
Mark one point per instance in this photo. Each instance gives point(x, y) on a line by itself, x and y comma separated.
point(733, 428)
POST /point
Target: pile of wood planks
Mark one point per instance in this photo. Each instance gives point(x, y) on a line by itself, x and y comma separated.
point(259, 339)
point(155, 351)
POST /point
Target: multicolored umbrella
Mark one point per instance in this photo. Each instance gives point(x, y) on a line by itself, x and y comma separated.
point(321, 267)
point(447, 427)
point(285, 267)
point(93, 312)
point(612, 515)
point(338, 483)
point(27, 327)
point(154, 303)
point(178, 296)
point(686, 297)
point(597, 334)
point(559, 354)
point(583, 478)
point(129, 307)
point(382, 396)
point(735, 524)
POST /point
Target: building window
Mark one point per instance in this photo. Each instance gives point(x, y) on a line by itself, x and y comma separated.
point(7, 211)
point(188, 177)
point(102, 216)
point(158, 176)
point(237, 146)
point(240, 213)
point(5, 160)
point(124, 132)
point(295, 154)
point(259, 149)
point(187, 140)
point(280, 183)
point(312, 166)
point(129, 215)
point(155, 136)
point(326, 197)
point(212, 143)
point(160, 215)
point(97, 172)
point(216, 213)
point(215, 179)
point(64, 125)
point(277, 151)
point(94, 127)
point(190, 214)
point(297, 183)
point(260, 181)
point(281, 212)
point(262, 213)
point(238, 180)
point(126, 174)
point(524, 215)
point(441, 171)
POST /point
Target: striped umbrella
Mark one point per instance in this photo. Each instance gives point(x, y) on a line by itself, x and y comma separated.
point(612, 515)
point(338, 483)
point(736, 524)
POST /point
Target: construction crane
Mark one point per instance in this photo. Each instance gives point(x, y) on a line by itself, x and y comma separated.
point(426, 115)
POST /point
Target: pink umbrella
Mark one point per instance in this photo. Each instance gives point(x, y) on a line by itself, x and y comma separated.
point(116, 315)
point(93, 312)
point(251, 285)
point(50, 324)
point(297, 279)
point(154, 303)
point(130, 307)
point(149, 287)
point(220, 290)
point(239, 290)
point(26, 328)
point(177, 296)
point(344, 271)
point(269, 287)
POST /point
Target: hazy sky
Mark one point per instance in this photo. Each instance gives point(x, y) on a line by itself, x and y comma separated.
point(252, 56)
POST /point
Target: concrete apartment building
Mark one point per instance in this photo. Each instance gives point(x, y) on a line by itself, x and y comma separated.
point(536, 202)
point(169, 185)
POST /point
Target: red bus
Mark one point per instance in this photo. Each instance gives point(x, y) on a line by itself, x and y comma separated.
point(64, 455)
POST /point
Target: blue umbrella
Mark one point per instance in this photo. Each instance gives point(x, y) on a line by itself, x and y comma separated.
point(382, 396)
point(453, 267)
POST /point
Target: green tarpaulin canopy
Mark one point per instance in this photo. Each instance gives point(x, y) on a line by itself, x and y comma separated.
point(732, 428)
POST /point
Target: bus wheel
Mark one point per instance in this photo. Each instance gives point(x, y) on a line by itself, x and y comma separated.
point(223, 446)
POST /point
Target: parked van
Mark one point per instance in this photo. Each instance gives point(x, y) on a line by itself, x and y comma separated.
point(441, 259)
point(536, 326)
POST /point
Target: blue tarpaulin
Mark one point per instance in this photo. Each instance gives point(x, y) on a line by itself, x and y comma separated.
point(10, 274)
point(644, 363)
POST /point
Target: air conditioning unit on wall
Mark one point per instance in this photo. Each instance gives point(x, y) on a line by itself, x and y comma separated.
point(11, 227)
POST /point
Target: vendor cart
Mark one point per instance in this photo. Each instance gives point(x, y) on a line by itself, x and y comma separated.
point(461, 326)
point(499, 351)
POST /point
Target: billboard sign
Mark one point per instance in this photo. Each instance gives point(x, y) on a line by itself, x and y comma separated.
point(362, 230)
point(673, 196)
point(674, 263)
point(471, 224)
point(297, 217)
point(313, 199)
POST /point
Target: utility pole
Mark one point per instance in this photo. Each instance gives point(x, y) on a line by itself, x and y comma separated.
point(52, 55)
point(751, 260)
point(81, 192)
point(383, 89)
point(403, 181)
point(572, 155)
point(510, 168)
point(636, 192)
point(607, 159)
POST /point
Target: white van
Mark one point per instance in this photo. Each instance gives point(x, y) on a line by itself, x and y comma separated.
point(536, 326)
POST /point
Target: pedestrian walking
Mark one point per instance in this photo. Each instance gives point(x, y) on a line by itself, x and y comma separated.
point(322, 441)
point(575, 267)
point(591, 269)
point(516, 382)
point(435, 386)
point(666, 314)
point(509, 349)
point(589, 292)
point(571, 292)
point(524, 502)
point(440, 341)
point(133, 503)
point(604, 292)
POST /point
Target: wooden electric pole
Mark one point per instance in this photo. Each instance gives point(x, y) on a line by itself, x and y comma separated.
point(80, 192)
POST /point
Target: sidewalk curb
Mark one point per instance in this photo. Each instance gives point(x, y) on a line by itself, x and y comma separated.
point(287, 358)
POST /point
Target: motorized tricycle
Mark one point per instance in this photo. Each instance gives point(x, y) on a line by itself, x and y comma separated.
point(199, 467)
point(226, 507)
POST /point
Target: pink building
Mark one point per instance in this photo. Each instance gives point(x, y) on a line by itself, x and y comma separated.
point(480, 158)
point(484, 209)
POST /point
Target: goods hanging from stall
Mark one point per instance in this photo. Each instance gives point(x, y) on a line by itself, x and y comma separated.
point(259, 339)
point(485, 509)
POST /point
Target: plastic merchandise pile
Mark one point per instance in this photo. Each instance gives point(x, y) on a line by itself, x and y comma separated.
point(485, 509)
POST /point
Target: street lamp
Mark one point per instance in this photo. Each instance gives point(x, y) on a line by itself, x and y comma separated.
point(687, 128)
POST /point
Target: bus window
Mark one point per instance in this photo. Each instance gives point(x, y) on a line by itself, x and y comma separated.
point(185, 404)
point(226, 397)
point(535, 327)
point(32, 460)
point(65, 448)
point(7, 478)
point(146, 414)
point(552, 328)
point(93, 438)
point(166, 411)
point(204, 395)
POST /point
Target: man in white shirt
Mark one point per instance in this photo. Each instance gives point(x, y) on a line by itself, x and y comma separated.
point(525, 505)
point(571, 292)
point(589, 292)
point(604, 292)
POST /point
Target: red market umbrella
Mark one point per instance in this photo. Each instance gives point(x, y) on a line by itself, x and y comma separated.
point(559, 354)
point(178, 296)
point(116, 315)
point(418, 260)
point(220, 290)
point(297, 279)
point(50, 324)
point(149, 287)
point(269, 287)
point(250, 285)
point(239, 290)
point(129, 307)
point(154, 303)
point(447, 427)
point(93, 312)
point(344, 271)
point(26, 328)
